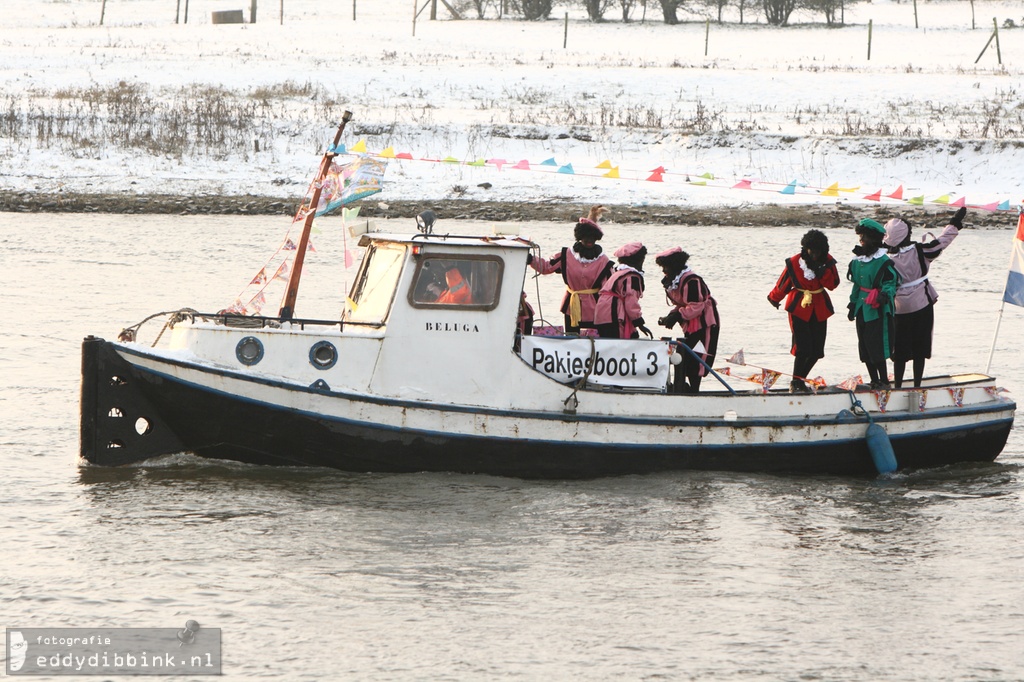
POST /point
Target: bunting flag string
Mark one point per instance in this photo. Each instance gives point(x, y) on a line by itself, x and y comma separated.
point(796, 189)
point(768, 377)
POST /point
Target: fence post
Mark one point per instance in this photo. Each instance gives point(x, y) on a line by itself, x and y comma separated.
point(353, 10)
point(252, 12)
point(177, 12)
point(869, 40)
point(103, 10)
point(915, 13)
point(982, 53)
point(282, 13)
point(186, 12)
point(995, 32)
point(972, 15)
point(707, 33)
point(565, 37)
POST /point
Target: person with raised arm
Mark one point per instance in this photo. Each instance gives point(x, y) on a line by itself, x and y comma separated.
point(916, 296)
point(584, 268)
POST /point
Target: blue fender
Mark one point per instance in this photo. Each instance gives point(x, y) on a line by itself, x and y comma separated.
point(881, 449)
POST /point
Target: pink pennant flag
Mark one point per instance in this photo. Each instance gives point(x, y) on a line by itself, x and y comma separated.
point(655, 177)
point(522, 165)
point(404, 155)
point(497, 162)
point(877, 196)
point(994, 206)
point(898, 194)
point(742, 184)
point(962, 201)
point(659, 169)
point(349, 259)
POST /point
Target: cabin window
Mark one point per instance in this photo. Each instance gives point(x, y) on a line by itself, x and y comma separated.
point(463, 282)
point(375, 285)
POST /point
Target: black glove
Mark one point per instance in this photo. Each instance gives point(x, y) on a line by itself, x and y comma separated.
point(529, 257)
point(672, 319)
point(819, 271)
point(774, 303)
point(958, 218)
point(645, 330)
point(883, 298)
point(850, 315)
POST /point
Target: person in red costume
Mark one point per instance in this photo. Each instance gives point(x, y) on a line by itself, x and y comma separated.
point(805, 282)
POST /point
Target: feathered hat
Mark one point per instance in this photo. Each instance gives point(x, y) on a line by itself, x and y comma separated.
point(587, 228)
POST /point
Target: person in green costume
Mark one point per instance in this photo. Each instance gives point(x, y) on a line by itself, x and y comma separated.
point(875, 281)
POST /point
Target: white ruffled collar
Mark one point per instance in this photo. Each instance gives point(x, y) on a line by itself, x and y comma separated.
point(675, 282)
point(808, 273)
point(867, 259)
point(629, 267)
point(581, 259)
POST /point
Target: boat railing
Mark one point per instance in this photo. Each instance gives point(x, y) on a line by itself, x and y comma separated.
point(234, 320)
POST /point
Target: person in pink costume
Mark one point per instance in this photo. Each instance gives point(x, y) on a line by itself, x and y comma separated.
point(916, 296)
point(584, 269)
point(618, 314)
point(695, 311)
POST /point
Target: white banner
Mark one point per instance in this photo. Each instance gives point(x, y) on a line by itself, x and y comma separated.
point(611, 362)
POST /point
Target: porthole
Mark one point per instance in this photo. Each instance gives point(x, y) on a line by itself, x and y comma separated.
point(249, 351)
point(323, 355)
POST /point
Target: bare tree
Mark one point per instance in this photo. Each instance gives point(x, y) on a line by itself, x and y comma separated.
point(532, 10)
point(718, 6)
point(597, 8)
point(669, 10)
point(832, 9)
point(627, 9)
point(777, 12)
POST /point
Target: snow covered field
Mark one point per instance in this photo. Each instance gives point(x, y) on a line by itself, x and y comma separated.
point(801, 106)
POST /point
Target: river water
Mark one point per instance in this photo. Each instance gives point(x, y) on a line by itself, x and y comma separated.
point(320, 575)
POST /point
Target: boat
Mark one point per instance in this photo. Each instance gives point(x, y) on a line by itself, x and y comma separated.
point(406, 380)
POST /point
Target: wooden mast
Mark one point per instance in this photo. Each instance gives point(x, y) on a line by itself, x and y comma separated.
point(288, 304)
